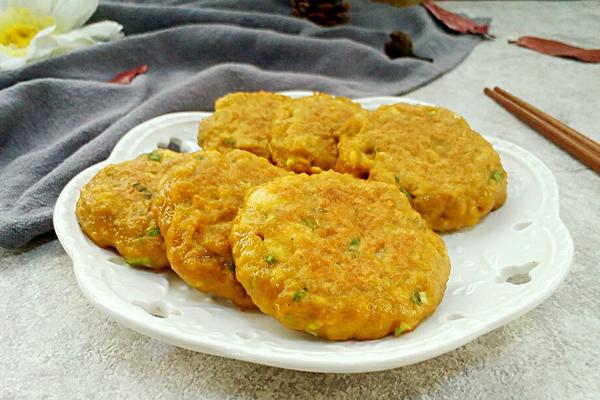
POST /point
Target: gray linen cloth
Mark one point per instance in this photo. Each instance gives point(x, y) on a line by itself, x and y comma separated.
point(60, 116)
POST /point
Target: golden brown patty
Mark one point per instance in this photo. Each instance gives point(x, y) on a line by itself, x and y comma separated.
point(114, 208)
point(195, 210)
point(338, 257)
point(241, 121)
point(306, 131)
point(452, 176)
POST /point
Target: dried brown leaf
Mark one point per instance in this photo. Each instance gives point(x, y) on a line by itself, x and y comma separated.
point(558, 49)
point(456, 22)
point(126, 77)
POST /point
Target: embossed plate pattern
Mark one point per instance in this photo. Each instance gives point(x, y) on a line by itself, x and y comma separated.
point(502, 268)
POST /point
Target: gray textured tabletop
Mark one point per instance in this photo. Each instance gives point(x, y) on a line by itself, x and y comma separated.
point(56, 345)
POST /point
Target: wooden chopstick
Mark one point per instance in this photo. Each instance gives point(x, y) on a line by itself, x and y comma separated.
point(579, 146)
point(551, 120)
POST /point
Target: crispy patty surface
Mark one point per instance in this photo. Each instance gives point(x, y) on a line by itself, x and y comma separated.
point(338, 257)
point(451, 174)
point(305, 132)
point(195, 210)
point(114, 207)
point(241, 121)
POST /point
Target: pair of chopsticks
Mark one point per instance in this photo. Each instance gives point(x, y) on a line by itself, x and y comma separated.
point(578, 145)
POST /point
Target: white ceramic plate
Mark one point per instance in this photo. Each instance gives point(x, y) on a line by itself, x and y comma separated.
point(523, 241)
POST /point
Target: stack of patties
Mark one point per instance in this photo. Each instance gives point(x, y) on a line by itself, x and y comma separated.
point(452, 176)
point(348, 253)
point(300, 135)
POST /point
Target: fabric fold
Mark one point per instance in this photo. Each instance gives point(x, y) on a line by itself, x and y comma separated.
point(60, 116)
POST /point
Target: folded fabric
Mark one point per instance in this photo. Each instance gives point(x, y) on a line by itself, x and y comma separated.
point(61, 115)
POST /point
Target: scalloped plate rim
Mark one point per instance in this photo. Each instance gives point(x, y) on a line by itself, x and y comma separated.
point(303, 362)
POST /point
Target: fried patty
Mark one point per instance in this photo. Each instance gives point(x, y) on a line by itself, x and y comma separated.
point(194, 211)
point(305, 132)
point(451, 175)
point(114, 208)
point(338, 257)
point(241, 121)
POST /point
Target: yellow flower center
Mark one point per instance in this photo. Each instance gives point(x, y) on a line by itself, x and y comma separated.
point(18, 26)
point(18, 35)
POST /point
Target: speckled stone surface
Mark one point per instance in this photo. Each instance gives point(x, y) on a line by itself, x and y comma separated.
point(55, 345)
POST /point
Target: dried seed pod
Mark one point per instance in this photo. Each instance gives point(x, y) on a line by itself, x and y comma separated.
point(401, 45)
point(322, 12)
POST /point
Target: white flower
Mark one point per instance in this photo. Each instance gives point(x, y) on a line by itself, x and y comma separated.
point(32, 30)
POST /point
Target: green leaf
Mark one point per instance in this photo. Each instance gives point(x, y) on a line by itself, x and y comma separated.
point(139, 187)
point(269, 259)
point(230, 142)
point(154, 231)
point(298, 295)
point(139, 261)
point(496, 175)
point(419, 298)
point(354, 243)
point(311, 328)
point(403, 327)
point(402, 188)
point(154, 155)
point(311, 222)
point(142, 189)
point(406, 192)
